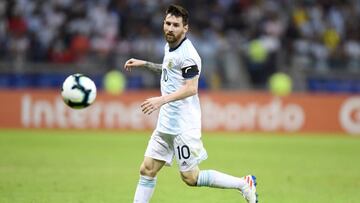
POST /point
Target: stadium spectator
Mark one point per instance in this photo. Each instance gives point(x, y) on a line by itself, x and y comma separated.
point(317, 35)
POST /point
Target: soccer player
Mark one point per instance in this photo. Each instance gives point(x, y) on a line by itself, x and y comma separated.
point(178, 130)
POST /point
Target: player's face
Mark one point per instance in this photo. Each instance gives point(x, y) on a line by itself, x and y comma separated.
point(174, 29)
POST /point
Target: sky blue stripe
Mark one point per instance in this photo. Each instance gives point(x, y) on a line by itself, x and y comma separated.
point(204, 178)
point(147, 183)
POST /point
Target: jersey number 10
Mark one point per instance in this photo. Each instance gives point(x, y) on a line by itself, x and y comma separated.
point(183, 152)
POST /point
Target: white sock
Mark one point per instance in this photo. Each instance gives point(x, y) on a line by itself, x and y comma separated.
point(216, 179)
point(144, 189)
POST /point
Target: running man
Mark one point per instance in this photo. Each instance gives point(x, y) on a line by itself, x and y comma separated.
point(178, 131)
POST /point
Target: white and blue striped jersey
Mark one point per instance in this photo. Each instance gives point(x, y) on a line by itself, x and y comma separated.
point(179, 64)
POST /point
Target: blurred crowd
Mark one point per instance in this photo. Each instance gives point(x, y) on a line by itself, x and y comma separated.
point(241, 42)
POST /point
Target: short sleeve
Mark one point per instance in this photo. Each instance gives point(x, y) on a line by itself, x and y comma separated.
point(188, 62)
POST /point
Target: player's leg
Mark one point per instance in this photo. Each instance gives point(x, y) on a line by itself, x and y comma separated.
point(146, 185)
point(215, 179)
point(150, 167)
point(189, 152)
point(212, 178)
point(190, 177)
point(158, 153)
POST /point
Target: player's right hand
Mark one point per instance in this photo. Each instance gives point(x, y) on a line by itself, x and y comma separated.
point(131, 63)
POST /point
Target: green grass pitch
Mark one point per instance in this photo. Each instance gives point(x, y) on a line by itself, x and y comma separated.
point(57, 166)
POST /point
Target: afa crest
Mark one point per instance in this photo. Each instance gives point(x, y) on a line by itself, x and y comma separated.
point(170, 64)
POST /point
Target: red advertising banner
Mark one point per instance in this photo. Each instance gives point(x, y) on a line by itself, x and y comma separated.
point(229, 111)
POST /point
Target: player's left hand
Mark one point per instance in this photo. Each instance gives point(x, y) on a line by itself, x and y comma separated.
point(152, 104)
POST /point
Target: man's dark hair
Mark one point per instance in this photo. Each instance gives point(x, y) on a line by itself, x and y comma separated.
point(178, 11)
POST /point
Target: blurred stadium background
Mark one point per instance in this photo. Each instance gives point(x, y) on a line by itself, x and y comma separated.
point(241, 42)
point(303, 147)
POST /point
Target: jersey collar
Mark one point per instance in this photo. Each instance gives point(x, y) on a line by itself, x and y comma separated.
point(173, 49)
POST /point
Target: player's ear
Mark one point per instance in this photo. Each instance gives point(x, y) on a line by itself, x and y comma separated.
point(186, 28)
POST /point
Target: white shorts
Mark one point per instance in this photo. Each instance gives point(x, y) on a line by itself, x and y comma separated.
point(187, 148)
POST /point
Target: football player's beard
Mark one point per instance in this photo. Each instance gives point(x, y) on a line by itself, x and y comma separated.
point(170, 38)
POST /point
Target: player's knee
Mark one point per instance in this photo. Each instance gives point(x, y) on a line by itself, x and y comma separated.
point(189, 179)
point(147, 170)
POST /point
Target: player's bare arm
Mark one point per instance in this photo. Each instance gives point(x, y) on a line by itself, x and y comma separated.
point(131, 63)
point(190, 88)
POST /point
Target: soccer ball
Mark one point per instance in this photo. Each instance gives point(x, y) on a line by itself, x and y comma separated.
point(78, 91)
